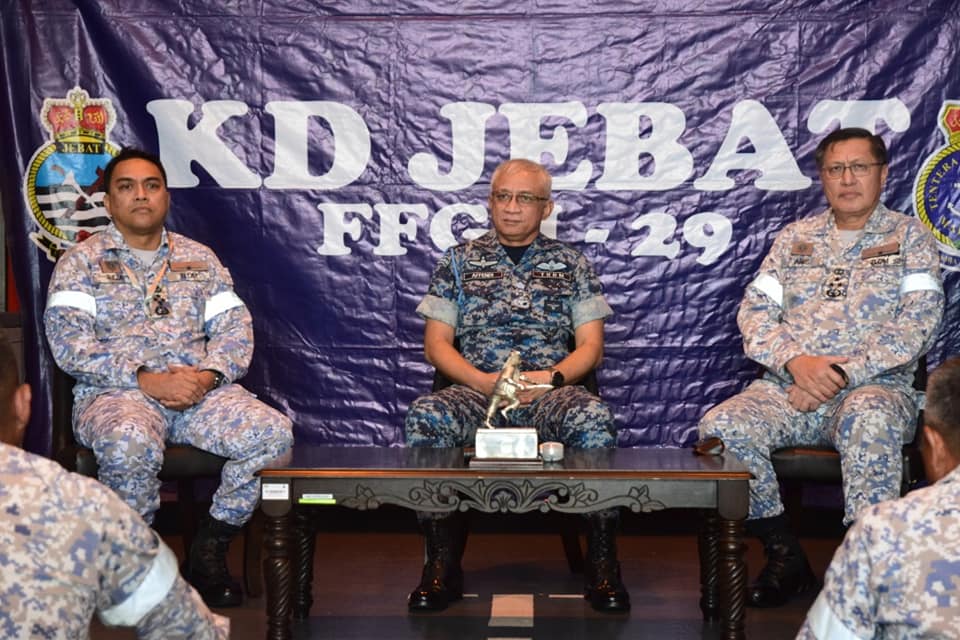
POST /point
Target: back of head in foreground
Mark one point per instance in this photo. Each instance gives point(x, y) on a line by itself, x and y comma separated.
point(940, 441)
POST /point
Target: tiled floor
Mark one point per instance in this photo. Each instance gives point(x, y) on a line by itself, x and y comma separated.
point(365, 566)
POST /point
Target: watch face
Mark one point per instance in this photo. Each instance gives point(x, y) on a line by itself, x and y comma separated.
point(557, 379)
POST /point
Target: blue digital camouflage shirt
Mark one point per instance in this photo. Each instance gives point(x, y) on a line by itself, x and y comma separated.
point(877, 301)
point(70, 547)
point(100, 326)
point(496, 306)
point(897, 573)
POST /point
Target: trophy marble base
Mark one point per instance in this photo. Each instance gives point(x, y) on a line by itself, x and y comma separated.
point(508, 443)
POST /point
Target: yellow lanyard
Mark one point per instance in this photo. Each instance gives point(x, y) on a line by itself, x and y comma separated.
point(154, 292)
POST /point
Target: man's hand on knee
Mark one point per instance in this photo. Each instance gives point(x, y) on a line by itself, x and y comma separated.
point(178, 388)
point(801, 400)
point(814, 375)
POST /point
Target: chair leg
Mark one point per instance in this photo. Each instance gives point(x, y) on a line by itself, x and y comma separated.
point(187, 512)
point(570, 536)
point(792, 493)
point(252, 566)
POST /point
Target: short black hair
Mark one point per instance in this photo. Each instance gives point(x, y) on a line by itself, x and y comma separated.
point(942, 412)
point(877, 146)
point(129, 153)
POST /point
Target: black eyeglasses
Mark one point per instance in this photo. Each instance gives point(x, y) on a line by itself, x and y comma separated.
point(858, 169)
point(524, 199)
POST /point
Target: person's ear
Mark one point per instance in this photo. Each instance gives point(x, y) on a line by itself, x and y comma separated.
point(547, 210)
point(21, 412)
point(934, 452)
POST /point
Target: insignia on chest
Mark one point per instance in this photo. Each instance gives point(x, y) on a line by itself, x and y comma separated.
point(836, 284)
point(484, 262)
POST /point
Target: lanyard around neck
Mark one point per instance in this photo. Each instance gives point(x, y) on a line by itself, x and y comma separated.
point(156, 284)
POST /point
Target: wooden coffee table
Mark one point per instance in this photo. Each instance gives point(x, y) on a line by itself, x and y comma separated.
point(640, 479)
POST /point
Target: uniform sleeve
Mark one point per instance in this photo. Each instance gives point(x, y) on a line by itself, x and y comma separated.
point(442, 301)
point(589, 304)
point(70, 325)
point(765, 338)
point(912, 330)
point(139, 581)
point(846, 608)
point(182, 614)
point(228, 325)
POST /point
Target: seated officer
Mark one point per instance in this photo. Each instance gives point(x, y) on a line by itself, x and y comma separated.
point(514, 289)
point(844, 305)
point(148, 323)
point(69, 546)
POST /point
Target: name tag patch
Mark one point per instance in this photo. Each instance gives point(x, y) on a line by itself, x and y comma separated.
point(471, 276)
point(552, 275)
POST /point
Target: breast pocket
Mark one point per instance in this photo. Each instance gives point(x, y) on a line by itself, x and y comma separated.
point(551, 299)
point(120, 309)
point(801, 283)
point(187, 300)
point(876, 285)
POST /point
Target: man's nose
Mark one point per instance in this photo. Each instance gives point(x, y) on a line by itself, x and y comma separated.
point(140, 192)
point(847, 176)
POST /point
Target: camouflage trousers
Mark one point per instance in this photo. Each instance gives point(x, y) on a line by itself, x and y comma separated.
point(867, 425)
point(128, 431)
point(571, 415)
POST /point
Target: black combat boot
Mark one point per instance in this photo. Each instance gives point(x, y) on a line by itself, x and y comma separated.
point(206, 567)
point(787, 572)
point(442, 580)
point(602, 584)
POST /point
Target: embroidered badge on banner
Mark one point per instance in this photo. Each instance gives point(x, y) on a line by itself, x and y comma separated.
point(936, 193)
point(63, 184)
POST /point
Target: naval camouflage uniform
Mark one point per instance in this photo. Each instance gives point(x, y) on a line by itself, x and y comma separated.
point(897, 573)
point(497, 306)
point(69, 547)
point(878, 301)
point(102, 329)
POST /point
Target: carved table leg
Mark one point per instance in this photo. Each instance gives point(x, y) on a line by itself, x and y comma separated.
point(301, 555)
point(276, 569)
point(708, 545)
point(733, 579)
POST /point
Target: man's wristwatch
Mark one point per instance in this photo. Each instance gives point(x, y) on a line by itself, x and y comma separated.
point(843, 374)
point(557, 379)
point(218, 379)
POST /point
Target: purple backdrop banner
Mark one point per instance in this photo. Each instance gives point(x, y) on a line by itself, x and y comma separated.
point(330, 153)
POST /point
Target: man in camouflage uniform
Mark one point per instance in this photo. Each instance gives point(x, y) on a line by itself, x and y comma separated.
point(897, 573)
point(69, 547)
point(843, 306)
point(514, 289)
point(148, 323)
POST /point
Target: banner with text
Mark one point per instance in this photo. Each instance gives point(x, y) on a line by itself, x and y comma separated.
point(330, 152)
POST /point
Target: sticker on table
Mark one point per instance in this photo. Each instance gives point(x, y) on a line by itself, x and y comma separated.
point(317, 498)
point(275, 491)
